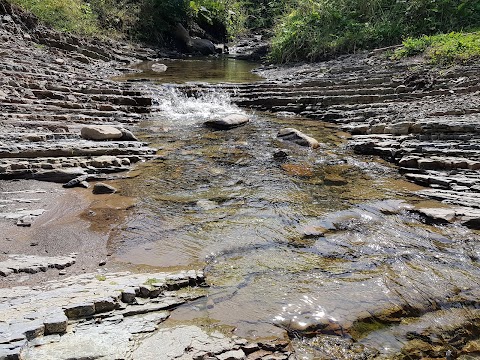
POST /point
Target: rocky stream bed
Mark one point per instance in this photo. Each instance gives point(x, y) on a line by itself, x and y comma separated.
point(284, 237)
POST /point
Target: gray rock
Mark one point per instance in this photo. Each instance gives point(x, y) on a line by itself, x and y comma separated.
point(105, 305)
point(181, 343)
point(25, 221)
point(96, 343)
point(159, 67)
point(127, 135)
point(78, 311)
point(296, 136)
point(437, 215)
point(201, 46)
point(232, 355)
point(100, 132)
point(129, 296)
point(101, 188)
point(33, 264)
point(55, 323)
point(228, 122)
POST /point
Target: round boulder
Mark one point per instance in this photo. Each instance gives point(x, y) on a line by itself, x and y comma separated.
point(228, 122)
point(101, 132)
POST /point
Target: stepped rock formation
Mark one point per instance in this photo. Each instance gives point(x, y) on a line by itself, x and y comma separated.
point(51, 86)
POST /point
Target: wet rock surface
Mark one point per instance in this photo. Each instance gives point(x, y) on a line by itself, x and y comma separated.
point(87, 316)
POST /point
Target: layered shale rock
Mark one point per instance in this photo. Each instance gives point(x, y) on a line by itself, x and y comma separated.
point(114, 316)
point(56, 101)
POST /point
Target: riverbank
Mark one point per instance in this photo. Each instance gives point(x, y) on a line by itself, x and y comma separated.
point(275, 223)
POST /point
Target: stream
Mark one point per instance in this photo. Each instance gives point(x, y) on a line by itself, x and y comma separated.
point(319, 244)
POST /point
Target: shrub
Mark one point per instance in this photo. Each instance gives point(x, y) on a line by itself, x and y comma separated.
point(443, 49)
point(316, 30)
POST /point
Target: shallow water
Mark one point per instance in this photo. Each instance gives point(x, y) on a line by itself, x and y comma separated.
point(318, 243)
point(212, 70)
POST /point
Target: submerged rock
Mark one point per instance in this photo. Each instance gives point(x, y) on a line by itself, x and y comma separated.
point(101, 188)
point(296, 136)
point(228, 122)
point(159, 67)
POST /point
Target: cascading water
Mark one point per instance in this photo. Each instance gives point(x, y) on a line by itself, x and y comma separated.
point(305, 244)
point(177, 109)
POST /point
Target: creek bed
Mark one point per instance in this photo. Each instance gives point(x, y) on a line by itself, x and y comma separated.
point(321, 245)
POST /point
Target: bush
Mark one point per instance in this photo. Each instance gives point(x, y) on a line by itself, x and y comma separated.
point(316, 30)
point(443, 49)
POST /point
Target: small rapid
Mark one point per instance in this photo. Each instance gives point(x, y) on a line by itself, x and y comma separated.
point(176, 109)
point(319, 244)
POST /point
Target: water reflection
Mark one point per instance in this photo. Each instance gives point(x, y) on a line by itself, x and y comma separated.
point(212, 70)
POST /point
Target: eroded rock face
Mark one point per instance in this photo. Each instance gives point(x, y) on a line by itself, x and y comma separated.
point(58, 92)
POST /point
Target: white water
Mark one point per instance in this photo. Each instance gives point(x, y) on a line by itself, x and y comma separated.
point(177, 109)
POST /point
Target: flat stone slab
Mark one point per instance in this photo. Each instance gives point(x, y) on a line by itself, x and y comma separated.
point(33, 264)
point(94, 323)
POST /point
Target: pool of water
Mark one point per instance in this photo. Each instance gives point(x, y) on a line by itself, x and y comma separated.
point(316, 244)
point(211, 70)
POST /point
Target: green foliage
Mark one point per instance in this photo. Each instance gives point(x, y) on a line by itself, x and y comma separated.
point(65, 15)
point(315, 30)
point(120, 16)
point(156, 19)
point(443, 49)
point(261, 15)
point(218, 16)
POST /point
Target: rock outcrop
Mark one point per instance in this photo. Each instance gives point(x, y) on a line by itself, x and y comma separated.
point(54, 87)
point(114, 316)
point(193, 44)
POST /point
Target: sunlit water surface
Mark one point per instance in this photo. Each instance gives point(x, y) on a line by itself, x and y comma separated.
point(313, 243)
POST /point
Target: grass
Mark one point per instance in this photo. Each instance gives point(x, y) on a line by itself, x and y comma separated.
point(64, 15)
point(100, 277)
point(320, 29)
point(443, 49)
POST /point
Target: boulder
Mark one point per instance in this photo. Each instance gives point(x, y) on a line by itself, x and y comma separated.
point(228, 122)
point(296, 136)
point(127, 135)
point(101, 132)
point(194, 45)
point(201, 46)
